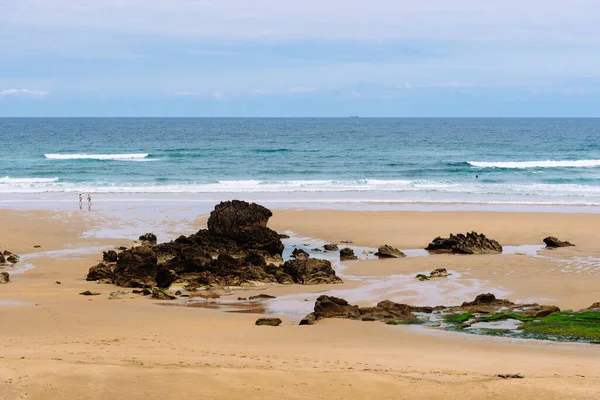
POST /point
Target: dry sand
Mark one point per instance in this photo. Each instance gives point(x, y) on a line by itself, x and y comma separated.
point(57, 344)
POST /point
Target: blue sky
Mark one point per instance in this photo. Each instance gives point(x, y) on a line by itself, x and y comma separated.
point(309, 58)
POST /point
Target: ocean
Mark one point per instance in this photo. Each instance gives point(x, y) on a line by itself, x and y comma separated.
point(337, 160)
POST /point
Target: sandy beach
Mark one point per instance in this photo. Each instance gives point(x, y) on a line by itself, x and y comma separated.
point(56, 344)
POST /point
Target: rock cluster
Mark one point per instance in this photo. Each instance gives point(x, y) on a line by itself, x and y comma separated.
point(6, 257)
point(487, 303)
point(471, 243)
point(387, 251)
point(4, 277)
point(333, 307)
point(237, 249)
point(553, 242)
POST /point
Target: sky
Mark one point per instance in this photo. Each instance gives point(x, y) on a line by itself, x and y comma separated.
point(321, 58)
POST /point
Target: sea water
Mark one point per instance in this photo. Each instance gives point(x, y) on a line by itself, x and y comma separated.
point(288, 160)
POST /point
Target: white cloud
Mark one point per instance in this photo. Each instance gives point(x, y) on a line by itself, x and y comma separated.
point(26, 92)
point(218, 95)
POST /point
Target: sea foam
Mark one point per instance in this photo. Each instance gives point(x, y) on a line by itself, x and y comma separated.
point(96, 156)
point(536, 164)
point(7, 179)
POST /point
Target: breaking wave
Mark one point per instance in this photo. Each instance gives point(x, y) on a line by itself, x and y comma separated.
point(96, 156)
point(537, 164)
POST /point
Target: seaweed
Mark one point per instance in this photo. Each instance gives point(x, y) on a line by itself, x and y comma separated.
point(458, 318)
point(569, 326)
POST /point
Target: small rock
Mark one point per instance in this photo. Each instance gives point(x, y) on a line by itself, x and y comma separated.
point(438, 273)
point(283, 236)
point(89, 293)
point(422, 277)
point(316, 249)
point(269, 321)
point(57, 282)
point(347, 254)
point(553, 242)
point(300, 254)
point(331, 247)
point(387, 251)
point(37, 246)
point(12, 258)
point(346, 241)
point(310, 319)
point(117, 295)
point(242, 298)
point(511, 376)
point(161, 294)
point(261, 297)
point(4, 277)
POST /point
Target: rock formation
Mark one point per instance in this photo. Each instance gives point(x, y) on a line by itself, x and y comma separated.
point(471, 243)
point(268, 322)
point(553, 242)
point(387, 251)
point(347, 254)
point(4, 277)
point(439, 273)
point(331, 247)
point(237, 249)
point(7, 257)
point(149, 238)
point(300, 254)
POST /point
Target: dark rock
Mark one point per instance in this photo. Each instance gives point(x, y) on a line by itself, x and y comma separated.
point(471, 243)
point(486, 299)
point(148, 238)
point(310, 319)
point(231, 216)
point(283, 236)
point(510, 376)
point(300, 254)
point(161, 294)
point(422, 277)
point(165, 277)
point(2, 259)
point(11, 257)
point(109, 256)
point(242, 298)
point(4, 277)
point(333, 307)
point(594, 306)
point(439, 273)
point(316, 249)
point(136, 267)
point(311, 271)
point(387, 251)
point(261, 297)
point(121, 248)
point(553, 242)
point(89, 293)
point(58, 282)
point(268, 321)
point(347, 254)
point(37, 246)
point(101, 272)
point(143, 292)
point(331, 247)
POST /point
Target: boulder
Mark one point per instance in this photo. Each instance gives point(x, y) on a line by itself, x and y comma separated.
point(101, 272)
point(471, 243)
point(387, 251)
point(333, 307)
point(161, 294)
point(331, 247)
point(439, 273)
point(165, 277)
point(268, 321)
point(136, 267)
point(300, 254)
point(311, 271)
point(230, 216)
point(347, 254)
point(109, 256)
point(149, 238)
point(4, 277)
point(2, 259)
point(553, 242)
point(487, 299)
point(12, 258)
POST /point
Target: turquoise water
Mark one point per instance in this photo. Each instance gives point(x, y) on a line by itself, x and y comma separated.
point(483, 161)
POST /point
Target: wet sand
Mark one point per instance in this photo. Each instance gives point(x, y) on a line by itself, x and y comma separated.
point(55, 343)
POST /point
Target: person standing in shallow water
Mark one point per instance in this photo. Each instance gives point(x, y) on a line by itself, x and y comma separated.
point(80, 201)
point(89, 201)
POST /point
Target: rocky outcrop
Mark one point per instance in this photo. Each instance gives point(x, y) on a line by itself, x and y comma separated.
point(7, 257)
point(347, 254)
point(300, 254)
point(161, 294)
point(439, 273)
point(4, 277)
point(471, 243)
point(488, 304)
point(262, 297)
point(148, 238)
point(109, 256)
point(238, 249)
point(89, 293)
point(311, 271)
point(268, 322)
point(553, 242)
point(331, 247)
point(232, 216)
point(387, 251)
point(333, 307)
